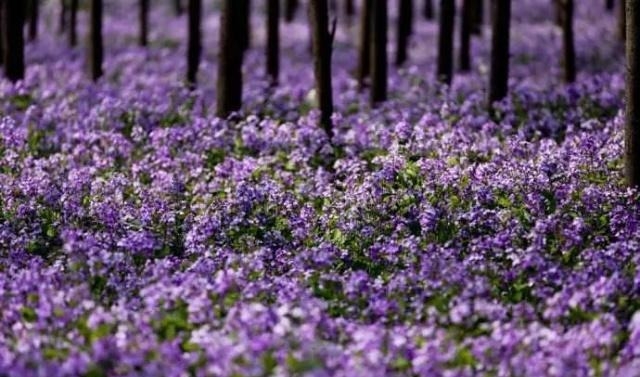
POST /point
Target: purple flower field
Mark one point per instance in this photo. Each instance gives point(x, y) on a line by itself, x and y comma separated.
point(140, 235)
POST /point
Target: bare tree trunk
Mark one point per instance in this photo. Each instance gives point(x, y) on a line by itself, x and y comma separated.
point(290, 9)
point(62, 17)
point(33, 19)
point(194, 50)
point(404, 30)
point(478, 17)
point(465, 34)
point(229, 86)
point(349, 8)
point(632, 125)
point(13, 13)
point(427, 10)
point(364, 50)
point(273, 40)
point(178, 8)
point(319, 17)
point(73, 23)
point(95, 40)
point(609, 5)
point(2, 32)
point(379, 52)
point(569, 60)
point(499, 71)
point(245, 24)
point(445, 41)
point(144, 22)
point(622, 20)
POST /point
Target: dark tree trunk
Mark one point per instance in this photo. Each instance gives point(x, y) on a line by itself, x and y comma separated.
point(609, 5)
point(568, 43)
point(229, 86)
point(499, 71)
point(465, 34)
point(73, 23)
point(427, 10)
point(364, 53)
point(478, 16)
point(273, 40)
point(404, 30)
point(245, 24)
point(144, 22)
point(290, 9)
point(62, 17)
point(319, 17)
point(95, 39)
point(622, 24)
point(557, 4)
point(445, 41)
point(1, 32)
point(178, 8)
point(13, 13)
point(34, 10)
point(378, 58)
point(349, 8)
point(632, 124)
point(194, 49)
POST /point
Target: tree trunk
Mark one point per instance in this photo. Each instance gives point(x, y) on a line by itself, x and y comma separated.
point(194, 49)
point(95, 39)
point(632, 124)
point(557, 4)
point(499, 71)
point(364, 53)
point(622, 20)
point(2, 31)
point(73, 23)
point(609, 5)
point(178, 8)
point(378, 58)
point(445, 41)
point(229, 86)
point(427, 10)
point(290, 9)
point(404, 30)
point(478, 17)
point(245, 24)
point(144, 22)
point(33, 19)
point(319, 17)
point(349, 8)
point(13, 21)
point(62, 17)
point(568, 43)
point(273, 40)
point(466, 27)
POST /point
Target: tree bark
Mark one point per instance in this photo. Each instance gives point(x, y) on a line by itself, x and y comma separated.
point(478, 17)
point(273, 40)
point(632, 124)
point(144, 22)
point(290, 9)
point(609, 5)
point(427, 10)
point(349, 8)
point(378, 58)
point(13, 22)
point(569, 60)
point(33, 19)
point(622, 20)
point(499, 71)
point(2, 32)
point(62, 17)
point(466, 27)
point(245, 24)
point(95, 40)
point(73, 23)
point(445, 41)
point(404, 30)
point(178, 8)
point(364, 50)
point(194, 49)
point(229, 85)
point(319, 17)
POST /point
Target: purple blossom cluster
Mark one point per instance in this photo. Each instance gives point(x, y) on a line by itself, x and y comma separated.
point(142, 236)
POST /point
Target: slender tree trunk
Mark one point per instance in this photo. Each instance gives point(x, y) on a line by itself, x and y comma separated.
point(319, 17)
point(349, 8)
point(427, 10)
point(568, 42)
point(364, 50)
point(632, 125)
point(178, 8)
point(62, 17)
point(466, 27)
point(622, 20)
point(273, 40)
point(445, 41)
point(478, 17)
point(2, 31)
point(33, 19)
point(13, 21)
point(378, 58)
point(290, 9)
point(95, 40)
point(557, 4)
point(499, 71)
point(609, 5)
point(229, 86)
point(144, 22)
point(194, 49)
point(245, 24)
point(404, 30)
point(73, 23)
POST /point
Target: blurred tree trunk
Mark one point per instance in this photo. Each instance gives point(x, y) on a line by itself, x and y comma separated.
point(2, 32)
point(13, 13)
point(349, 8)
point(322, 40)
point(378, 58)
point(34, 10)
point(557, 6)
point(178, 8)
point(569, 61)
point(290, 9)
point(609, 5)
point(144, 22)
point(478, 16)
point(364, 50)
point(245, 24)
point(405, 18)
point(62, 17)
point(229, 85)
point(73, 23)
point(95, 39)
point(622, 20)
point(273, 40)
point(445, 41)
point(466, 26)
point(194, 50)
point(632, 124)
point(499, 71)
point(427, 10)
